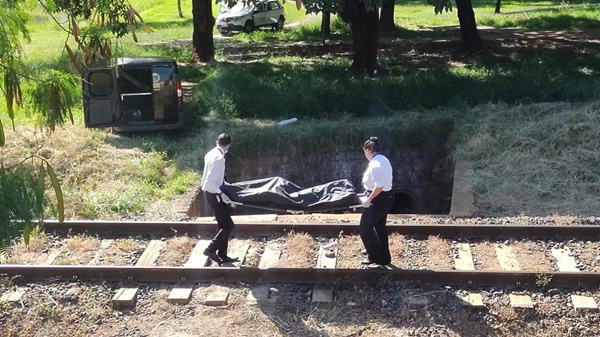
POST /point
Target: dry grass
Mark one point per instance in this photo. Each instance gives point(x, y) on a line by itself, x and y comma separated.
point(82, 244)
point(121, 252)
point(484, 256)
point(511, 321)
point(20, 253)
point(106, 176)
point(559, 219)
point(439, 251)
point(125, 245)
point(524, 169)
point(300, 251)
point(397, 249)
point(78, 250)
point(176, 251)
point(349, 255)
point(531, 257)
point(546, 307)
point(506, 313)
point(562, 327)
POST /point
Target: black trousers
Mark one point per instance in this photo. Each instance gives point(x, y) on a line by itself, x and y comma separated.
point(372, 228)
point(224, 223)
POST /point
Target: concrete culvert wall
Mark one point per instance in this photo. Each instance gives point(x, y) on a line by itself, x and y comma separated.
point(423, 174)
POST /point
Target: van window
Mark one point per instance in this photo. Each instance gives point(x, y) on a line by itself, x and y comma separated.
point(100, 84)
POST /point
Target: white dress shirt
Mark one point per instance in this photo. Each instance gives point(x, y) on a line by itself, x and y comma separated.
point(378, 174)
point(213, 176)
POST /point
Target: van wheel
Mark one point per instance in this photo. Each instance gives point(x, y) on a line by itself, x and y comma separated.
point(249, 26)
point(279, 24)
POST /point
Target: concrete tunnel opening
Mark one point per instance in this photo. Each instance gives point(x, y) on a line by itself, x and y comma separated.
point(423, 181)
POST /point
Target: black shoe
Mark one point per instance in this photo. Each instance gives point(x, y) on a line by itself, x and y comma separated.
point(363, 251)
point(227, 259)
point(213, 256)
point(366, 261)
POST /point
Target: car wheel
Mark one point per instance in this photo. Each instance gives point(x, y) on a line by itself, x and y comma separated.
point(249, 26)
point(223, 32)
point(279, 24)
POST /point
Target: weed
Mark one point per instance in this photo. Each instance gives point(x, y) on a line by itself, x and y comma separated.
point(49, 312)
point(6, 310)
point(300, 250)
point(126, 245)
point(179, 183)
point(522, 219)
point(543, 280)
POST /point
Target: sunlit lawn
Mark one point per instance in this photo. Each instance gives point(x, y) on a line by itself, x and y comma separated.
point(521, 14)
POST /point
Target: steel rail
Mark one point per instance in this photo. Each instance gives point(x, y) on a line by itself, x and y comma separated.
point(331, 229)
point(297, 275)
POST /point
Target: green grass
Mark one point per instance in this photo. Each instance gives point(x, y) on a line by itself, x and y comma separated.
point(525, 117)
point(279, 87)
point(417, 15)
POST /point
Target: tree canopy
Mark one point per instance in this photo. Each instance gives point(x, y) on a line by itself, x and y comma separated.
point(94, 25)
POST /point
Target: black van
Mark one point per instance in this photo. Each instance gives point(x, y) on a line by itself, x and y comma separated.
point(134, 94)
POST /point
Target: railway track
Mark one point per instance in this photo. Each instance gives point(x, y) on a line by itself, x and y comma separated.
point(566, 273)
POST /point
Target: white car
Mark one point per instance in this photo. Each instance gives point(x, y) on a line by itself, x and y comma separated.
point(247, 16)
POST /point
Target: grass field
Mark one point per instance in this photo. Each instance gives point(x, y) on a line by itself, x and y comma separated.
point(525, 112)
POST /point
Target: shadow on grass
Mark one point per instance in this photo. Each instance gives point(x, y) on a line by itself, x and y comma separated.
point(563, 21)
point(305, 80)
point(312, 81)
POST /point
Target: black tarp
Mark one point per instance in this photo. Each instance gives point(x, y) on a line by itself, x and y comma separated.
point(282, 194)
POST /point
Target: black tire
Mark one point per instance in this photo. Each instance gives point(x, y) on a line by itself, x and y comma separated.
point(223, 32)
point(249, 26)
point(279, 24)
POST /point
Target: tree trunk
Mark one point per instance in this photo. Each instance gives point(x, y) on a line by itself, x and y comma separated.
point(497, 7)
point(469, 35)
point(179, 8)
point(326, 23)
point(365, 33)
point(386, 21)
point(203, 45)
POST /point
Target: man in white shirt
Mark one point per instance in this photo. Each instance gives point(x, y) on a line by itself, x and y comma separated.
point(213, 178)
point(377, 180)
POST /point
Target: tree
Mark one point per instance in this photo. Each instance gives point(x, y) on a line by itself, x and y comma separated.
point(51, 93)
point(470, 40)
point(497, 10)
point(326, 7)
point(95, 26)
point(326, 24)
point(386, 21)
point(203, 45)
point(363, 17)
point(179, 9)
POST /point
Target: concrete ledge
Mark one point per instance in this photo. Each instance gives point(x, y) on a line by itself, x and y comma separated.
point(463, 201)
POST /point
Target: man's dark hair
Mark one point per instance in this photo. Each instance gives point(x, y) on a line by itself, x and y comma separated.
point(224, 139)
point(372, 145)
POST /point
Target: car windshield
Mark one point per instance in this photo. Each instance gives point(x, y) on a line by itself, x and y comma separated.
point(241, 7)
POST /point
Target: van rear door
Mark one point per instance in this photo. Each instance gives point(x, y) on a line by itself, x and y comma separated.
point(165, 93)
point(100, 98)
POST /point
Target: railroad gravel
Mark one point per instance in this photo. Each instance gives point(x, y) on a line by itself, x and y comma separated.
point(387, 308)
